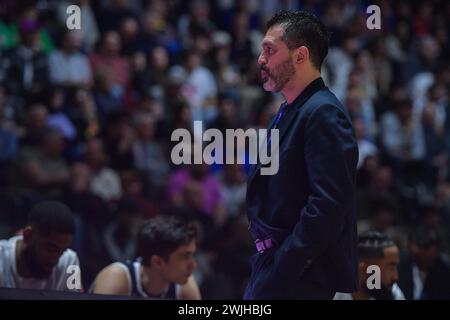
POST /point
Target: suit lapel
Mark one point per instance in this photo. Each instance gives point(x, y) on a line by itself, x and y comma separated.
point(291, 114)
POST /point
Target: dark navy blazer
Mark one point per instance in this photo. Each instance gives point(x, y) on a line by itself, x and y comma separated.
point(308, 207)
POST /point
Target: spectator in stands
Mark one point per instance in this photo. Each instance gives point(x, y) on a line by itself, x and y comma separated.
point(424, 271)
point(105, 181)
point(109, 61)
point(200, 88)
point(27, 65)
point(68, 66)
point(43, 171)
point(195, 187)
point(149, 155)
point(401, 135)
point(36, 120)
point(120, 235)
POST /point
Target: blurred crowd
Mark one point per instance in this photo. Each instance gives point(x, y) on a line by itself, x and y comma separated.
point(86, 117)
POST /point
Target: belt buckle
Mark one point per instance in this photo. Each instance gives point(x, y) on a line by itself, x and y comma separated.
point(263, 244)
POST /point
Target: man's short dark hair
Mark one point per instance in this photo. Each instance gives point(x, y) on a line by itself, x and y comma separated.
point(51, 217)
point(163, 235)
point(371, 244)
point(302, 28)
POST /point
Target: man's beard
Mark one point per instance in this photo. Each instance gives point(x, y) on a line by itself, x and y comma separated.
point(281, 74)
point(381, 294)
point(30, 260)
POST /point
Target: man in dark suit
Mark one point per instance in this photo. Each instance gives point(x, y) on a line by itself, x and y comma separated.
point(424, 272)
point(302, 218)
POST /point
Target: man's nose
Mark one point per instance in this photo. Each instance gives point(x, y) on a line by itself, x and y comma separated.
point(262, 59)
point(395, 276)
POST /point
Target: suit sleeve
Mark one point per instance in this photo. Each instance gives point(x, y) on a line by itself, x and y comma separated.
point(331, 155)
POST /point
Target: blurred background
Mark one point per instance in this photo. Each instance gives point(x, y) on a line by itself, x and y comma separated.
point(86, 117)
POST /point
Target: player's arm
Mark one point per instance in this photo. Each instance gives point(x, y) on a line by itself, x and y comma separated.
point(190, 290)
point(112, 280)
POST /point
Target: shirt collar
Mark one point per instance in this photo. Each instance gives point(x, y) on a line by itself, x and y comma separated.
point(309, 90)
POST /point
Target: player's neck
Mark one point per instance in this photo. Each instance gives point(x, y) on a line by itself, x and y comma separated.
point(298, 83)
point(153, 283)
point(360, 295)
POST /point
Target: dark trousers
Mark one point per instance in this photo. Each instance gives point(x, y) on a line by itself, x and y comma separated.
point(261, 287)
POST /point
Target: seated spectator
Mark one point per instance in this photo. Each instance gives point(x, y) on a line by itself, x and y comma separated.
point(120, 236)
point(68, 66)
point(401, 135)
point(376, 249)
point(42, 169)
point(193, 185)
point(40, 258)
point(36, 120)
point(424, 271)
point(133, 187)
point(435, 145)
point(381, 186)
point(234, 188)
point(57, 117)
point(164, 266)
point(105, 181)
point(109, 60)
point(200, 88)
point(149, 155)
point(27, 64)
point(119, 139)
point(129, 32)
point(92, 209)
point(108, 96)
point(89, 29)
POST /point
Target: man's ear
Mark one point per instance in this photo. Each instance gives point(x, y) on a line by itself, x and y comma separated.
point(302, 55)
point(27, 233)
point(362, 267)
point(156, 261)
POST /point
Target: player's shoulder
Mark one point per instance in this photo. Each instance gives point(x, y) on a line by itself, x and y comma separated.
point(116, 269)
point(7, 247)
point(69, 257)
point(112, 279)
point(323, 99)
